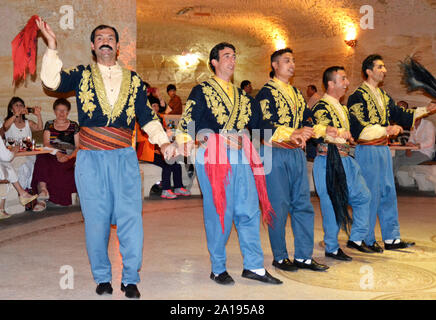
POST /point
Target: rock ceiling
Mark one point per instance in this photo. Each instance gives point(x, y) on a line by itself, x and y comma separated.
point(260, 18)
point(265, 20)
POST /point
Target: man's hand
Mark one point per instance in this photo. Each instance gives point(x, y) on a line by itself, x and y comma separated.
point(185, 148)
point(431, 107)
point(332, 132)
point(347, 136)
point(394, 130)
point(169, 150)
point(297, 138)
point(305, 132)
point(48, 33)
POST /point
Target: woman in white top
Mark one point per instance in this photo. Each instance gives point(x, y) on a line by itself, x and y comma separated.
point(17, 127)
point(8, 173)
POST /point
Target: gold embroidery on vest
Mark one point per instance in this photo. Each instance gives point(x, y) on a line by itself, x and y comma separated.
point(244, 112)
point(357, 110)
point(287, 105)
point(186, 117)
point(338, 122)
point(86, 95)
point(376, 113)
point(321, 117)
point(68, 71)
point(215, 103)
point(112, 113)
point(264, 105)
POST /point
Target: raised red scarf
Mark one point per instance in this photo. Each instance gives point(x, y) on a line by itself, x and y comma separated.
point(24, 50)
point(218, 170)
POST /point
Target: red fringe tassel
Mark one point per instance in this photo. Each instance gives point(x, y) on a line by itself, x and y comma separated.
point(24, 50)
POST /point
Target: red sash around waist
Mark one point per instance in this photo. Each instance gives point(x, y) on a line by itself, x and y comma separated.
point(104, 138)
point(282, 144)
point(383, 141)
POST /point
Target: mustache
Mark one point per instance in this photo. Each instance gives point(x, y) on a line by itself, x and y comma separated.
point(106, 46)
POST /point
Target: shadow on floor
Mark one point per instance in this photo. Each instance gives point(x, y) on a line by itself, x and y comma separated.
point(30, 216)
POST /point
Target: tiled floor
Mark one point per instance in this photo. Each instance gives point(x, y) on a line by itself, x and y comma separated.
point(44, 257)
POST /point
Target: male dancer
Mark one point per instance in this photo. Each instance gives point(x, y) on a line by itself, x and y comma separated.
point(332, 124)
point(231, 189)
point(288, 185)
point(109, 100)
point(371, 112)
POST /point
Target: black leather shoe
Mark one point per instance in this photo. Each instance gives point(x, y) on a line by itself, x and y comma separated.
point(267, 278)
point(339, 256)
point(131, 291)
point(399, 245)
point(315, 266)
point(285, 265)
point(362, 248)
point(104, 287)
point(223, 278)
point(375, 247)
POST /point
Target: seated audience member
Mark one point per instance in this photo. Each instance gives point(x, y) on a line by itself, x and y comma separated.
point(53, 177)
point(175, 103)
point(423, 136)
point(8, 173)
point(153, 95)
point(151, 153)
point(312, 95)
point(246, 86)
point(17, 128)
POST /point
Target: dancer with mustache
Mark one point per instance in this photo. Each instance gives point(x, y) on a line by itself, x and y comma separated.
point(371, 112)
point(109, 99)
point(336, 174)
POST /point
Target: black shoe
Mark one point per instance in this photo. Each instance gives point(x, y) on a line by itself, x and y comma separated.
point(375, 247)
point(399, 245)
point(223, 278)
point(267, 278)
point(339, 256)
point(362, 248)
point(131, 291)
point(315, 266)
point(104, 287)
point(285, 265)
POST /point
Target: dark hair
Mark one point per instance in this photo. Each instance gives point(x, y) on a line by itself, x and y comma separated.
point(368, 63)
point(245, 83)
point(62, 101)
point(274, 58)
point(13, 101)
point(101, 27)
point(313, 87)
point(171, 87)
point(214, 53)
point(328, 75)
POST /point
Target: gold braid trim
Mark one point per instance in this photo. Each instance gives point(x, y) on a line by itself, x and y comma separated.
point(113, 113)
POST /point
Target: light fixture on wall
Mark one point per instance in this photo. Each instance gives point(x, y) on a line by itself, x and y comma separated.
point(280, 44)
point(350, 35)
point(351, 43)
point(279, 39)
point(187, 60)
